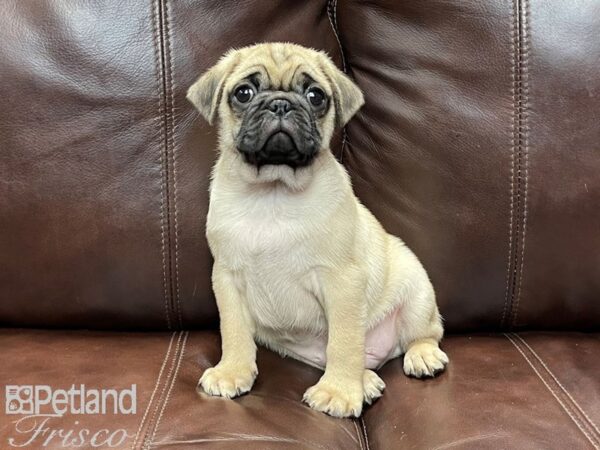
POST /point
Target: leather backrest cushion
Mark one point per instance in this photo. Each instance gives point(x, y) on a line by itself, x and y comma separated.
point(478, 146)
point(104, 165)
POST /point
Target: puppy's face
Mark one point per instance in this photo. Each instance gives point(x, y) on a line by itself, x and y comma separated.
point(277, 104)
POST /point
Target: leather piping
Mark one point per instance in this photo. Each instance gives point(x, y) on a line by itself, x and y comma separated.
point(366, 436)
point(586, 417)
point(358, 438)
point(156, 385)
point(564, 399)
point(519, 171)
point(165, 392)
point(173, 380)
point(169, 223)
point(237, 440)
point(163, 184)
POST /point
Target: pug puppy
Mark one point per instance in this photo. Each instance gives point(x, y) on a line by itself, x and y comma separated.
point(300, 265)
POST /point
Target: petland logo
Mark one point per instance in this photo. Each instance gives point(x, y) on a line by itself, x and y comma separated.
point(77, 400)
point(40, 405)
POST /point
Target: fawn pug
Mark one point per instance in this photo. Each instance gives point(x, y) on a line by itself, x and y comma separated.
point(300, 265)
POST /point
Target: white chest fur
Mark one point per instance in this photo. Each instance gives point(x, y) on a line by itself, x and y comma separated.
point(275, 272)
point(271, 240)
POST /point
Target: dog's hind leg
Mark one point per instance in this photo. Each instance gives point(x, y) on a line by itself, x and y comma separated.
point(420, 341)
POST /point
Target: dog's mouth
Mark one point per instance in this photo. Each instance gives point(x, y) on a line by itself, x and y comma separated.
point(279, 149)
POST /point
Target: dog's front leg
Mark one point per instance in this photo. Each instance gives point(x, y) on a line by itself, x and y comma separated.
point(236, 372)
point(340, 390)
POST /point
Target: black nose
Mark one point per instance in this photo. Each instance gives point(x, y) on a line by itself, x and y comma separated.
point(279, 106)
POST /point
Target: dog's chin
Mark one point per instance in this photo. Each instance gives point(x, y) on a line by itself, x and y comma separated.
point(294, 178)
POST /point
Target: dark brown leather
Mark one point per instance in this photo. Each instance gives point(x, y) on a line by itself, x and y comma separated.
point(80, 166)
point(170, 413)
point(516, 391)
point(496, 393)
point(561, 267)
point(478, 145)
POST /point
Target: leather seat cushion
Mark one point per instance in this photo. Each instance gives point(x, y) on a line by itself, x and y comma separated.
point(504, 391)
point(170, 413)
point(531, 390)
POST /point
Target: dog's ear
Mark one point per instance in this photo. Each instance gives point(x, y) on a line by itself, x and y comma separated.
point(347, 96)
point(205, 94)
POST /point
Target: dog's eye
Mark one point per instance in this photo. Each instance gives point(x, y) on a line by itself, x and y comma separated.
point(316, 96)
point(244, 93)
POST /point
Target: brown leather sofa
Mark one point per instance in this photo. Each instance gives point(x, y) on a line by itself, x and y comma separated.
point(479, 145)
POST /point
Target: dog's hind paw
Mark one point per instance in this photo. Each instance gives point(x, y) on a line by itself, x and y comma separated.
point(424, 359)
point(373, 386)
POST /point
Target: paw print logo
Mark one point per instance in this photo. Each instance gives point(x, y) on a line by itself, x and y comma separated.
point(19, 399)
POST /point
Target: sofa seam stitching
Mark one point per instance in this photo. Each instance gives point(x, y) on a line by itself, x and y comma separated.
point(560, 385)
point(171, 140)
point(519, 174)
point(332, 16)
point(524, 159)
point(173, 381)
point(561, 403)
point(163, 187)
point(146, 442)
point(365, 434)
point(358, 434)
point(515, 173)
point(177, 442)
point(159, 377)
point(513, 91)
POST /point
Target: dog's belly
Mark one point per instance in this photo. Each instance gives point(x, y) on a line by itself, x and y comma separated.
point(289, 319)
point(381, 343)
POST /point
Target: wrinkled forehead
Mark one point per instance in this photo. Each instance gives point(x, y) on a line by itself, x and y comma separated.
point(278, 68)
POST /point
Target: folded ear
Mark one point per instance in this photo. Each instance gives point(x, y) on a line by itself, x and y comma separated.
point(205, 94)
point(347, 96)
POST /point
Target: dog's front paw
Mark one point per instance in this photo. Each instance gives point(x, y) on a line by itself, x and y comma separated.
point(338, 399)
point(372, 385)
point(424, 360)
point(228, 380)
